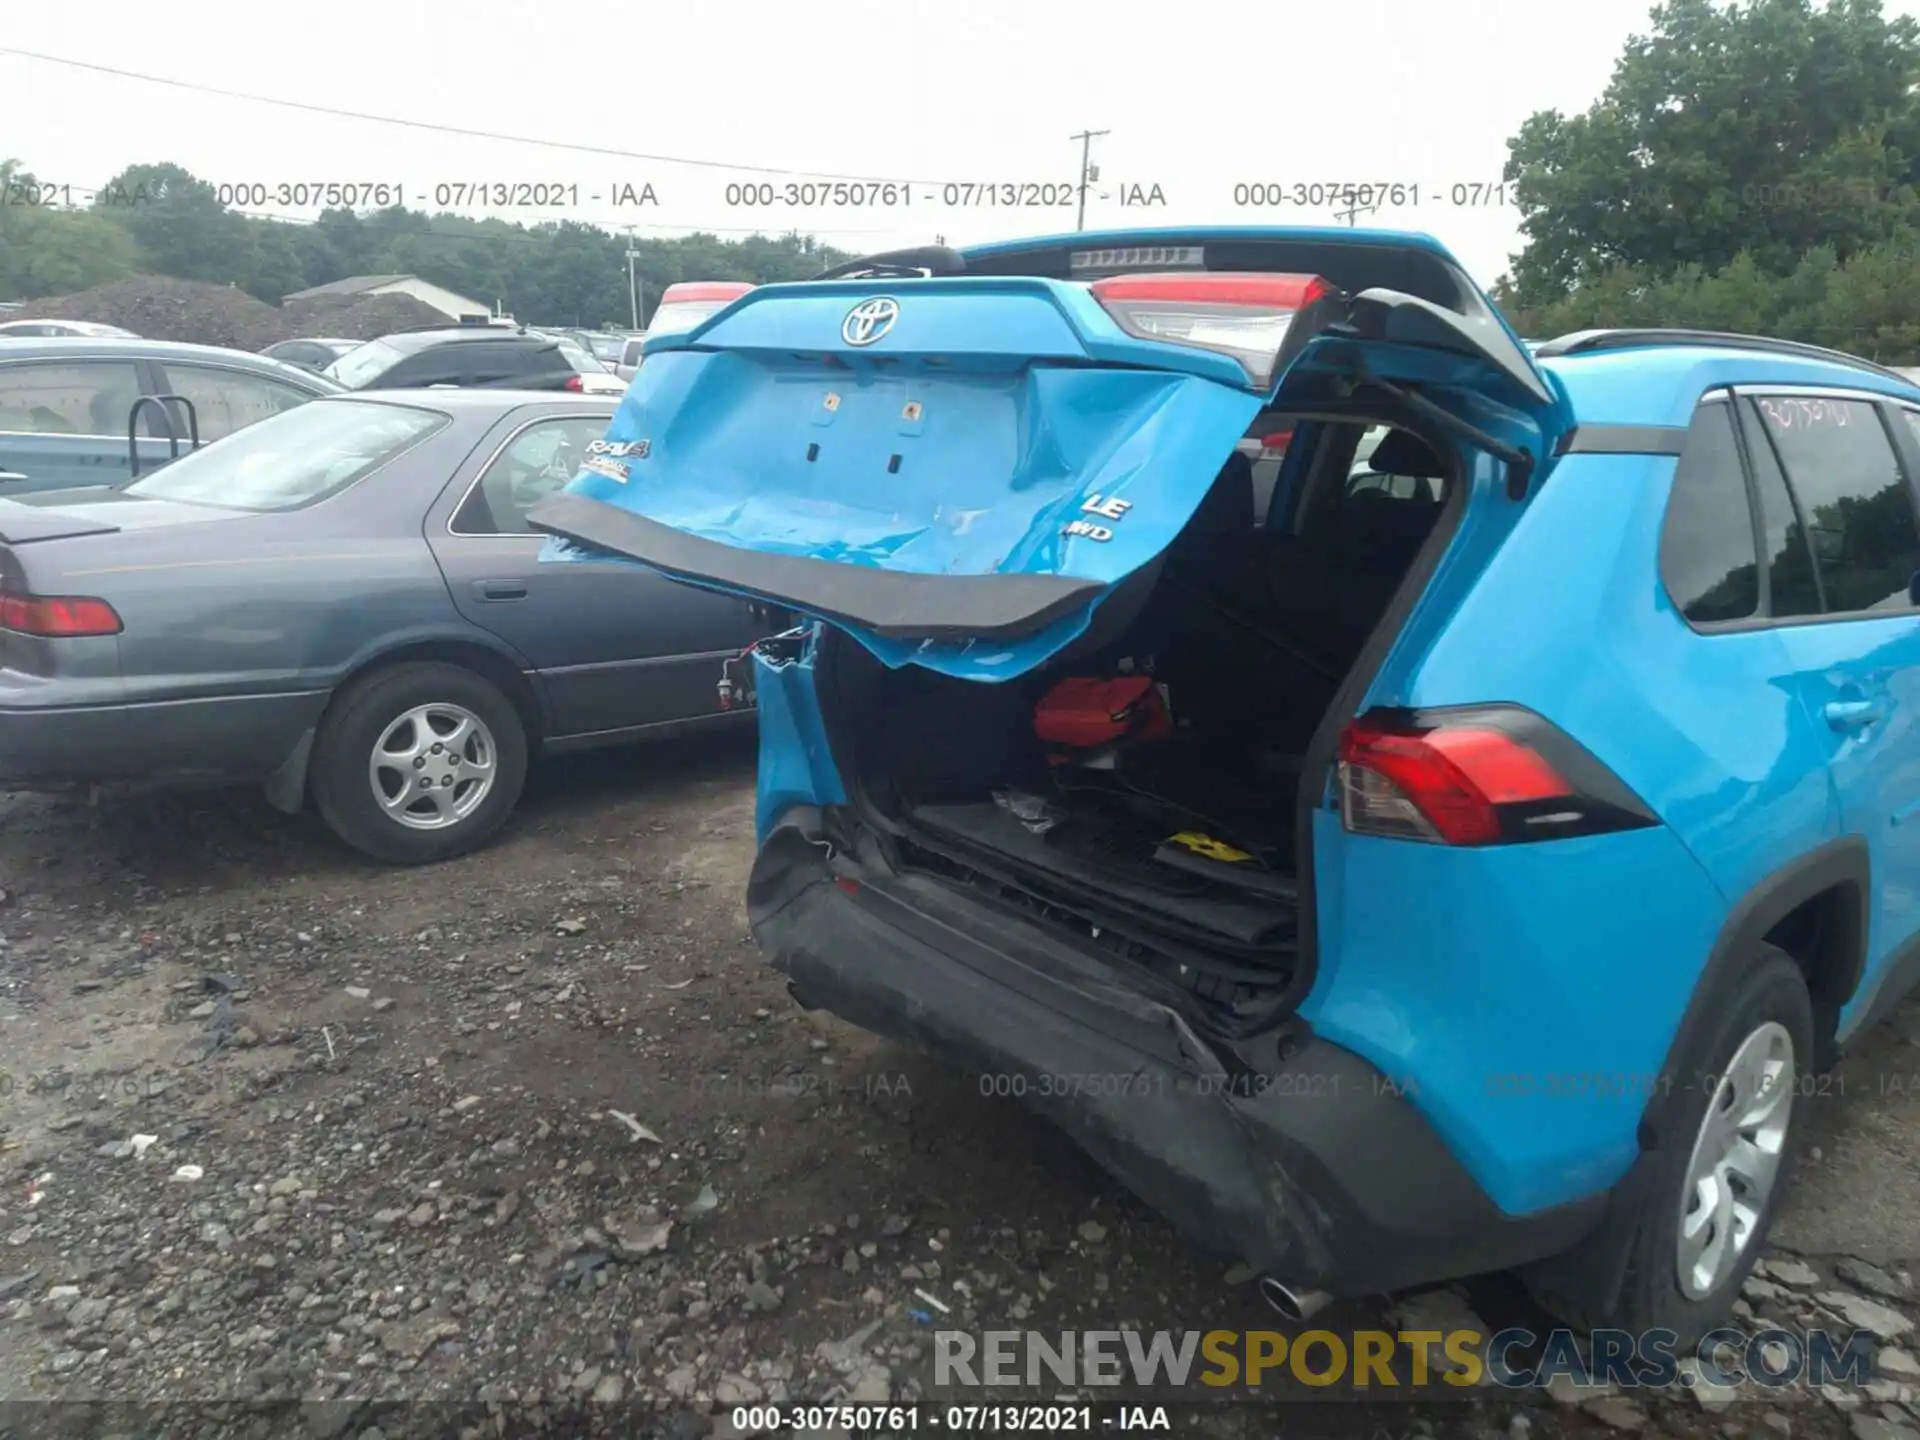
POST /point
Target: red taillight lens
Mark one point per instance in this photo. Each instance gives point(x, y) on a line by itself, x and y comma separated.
point(58, 616)
point(1479, 776)
point(576, 384)
point(1245, 315)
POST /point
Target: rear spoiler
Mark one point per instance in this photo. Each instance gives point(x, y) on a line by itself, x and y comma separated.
point(23, 524)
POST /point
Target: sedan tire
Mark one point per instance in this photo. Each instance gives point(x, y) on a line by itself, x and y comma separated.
point(419, 762)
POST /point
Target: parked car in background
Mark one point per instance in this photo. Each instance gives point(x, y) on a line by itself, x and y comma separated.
point(681, 307)
point(606, 346)
point(316, 354)
point(87, 411)
point(629, 358)
point(345, 603)
point(1473, 865)
point(469, 355)
point(600, 344)
point(48, 329)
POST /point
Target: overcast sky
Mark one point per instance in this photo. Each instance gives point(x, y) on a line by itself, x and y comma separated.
point(1198, 96)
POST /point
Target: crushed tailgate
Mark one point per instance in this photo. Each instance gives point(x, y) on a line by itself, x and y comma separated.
point(959, 469)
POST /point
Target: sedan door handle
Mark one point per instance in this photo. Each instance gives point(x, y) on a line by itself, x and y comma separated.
point(500, 589)
point(1854, 714)
point(8, 475)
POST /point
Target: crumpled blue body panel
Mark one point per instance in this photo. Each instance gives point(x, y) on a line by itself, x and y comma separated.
point(924, 472)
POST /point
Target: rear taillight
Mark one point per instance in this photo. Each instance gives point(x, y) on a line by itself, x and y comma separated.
point(57, 616)
point(576, 384)
point(1480, 775)
point(1250, 317)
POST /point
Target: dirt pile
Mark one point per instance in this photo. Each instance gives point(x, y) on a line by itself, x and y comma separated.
point(367, 318)
point(159, 308)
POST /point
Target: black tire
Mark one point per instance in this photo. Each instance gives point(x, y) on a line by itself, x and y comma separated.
point(1626, 1274)
point(355, 723)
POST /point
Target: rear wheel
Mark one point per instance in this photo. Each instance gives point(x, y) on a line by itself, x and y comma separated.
point(419, 762)
point(1683, 1236)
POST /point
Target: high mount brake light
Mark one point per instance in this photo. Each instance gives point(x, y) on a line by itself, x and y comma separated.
point(1244, 315)
point(1481, 775)
point(57, 617)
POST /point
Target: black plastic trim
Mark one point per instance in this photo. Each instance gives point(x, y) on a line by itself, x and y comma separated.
point(1623, 440)
point(1316, 1166)
point(1843, 862)
point(887, 602)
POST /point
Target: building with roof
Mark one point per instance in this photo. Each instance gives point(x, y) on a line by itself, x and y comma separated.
point(358, 287)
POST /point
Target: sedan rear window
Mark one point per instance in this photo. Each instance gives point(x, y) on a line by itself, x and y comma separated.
point(365, 363)
point(294, 459)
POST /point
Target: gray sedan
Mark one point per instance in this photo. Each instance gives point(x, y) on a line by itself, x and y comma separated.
point(344, 602)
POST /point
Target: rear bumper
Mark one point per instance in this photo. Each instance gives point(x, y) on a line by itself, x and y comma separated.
point(1317, 1172)
point(229, 738)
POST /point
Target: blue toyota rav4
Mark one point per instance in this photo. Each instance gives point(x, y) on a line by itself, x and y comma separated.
point(1462, 860)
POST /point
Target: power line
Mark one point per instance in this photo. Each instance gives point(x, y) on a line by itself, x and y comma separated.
point(450, 129)
point(517, 229)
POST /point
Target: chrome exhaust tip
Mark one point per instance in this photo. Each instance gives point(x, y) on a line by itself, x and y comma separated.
point(1296, 1305)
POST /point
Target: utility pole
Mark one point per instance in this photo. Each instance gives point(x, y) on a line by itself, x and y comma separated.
point(633, 284)
point(1088, 172)
point(1354, 211)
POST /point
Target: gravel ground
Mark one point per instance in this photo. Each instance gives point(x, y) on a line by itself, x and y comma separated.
point(294, 1145)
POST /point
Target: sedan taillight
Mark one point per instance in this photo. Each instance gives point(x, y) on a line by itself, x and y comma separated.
point(57, 617)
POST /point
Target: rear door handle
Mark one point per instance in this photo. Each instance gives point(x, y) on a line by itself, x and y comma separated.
point(500, 589)
point(1854, 714)
point(10, 475)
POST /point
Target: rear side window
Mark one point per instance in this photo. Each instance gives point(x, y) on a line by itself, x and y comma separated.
point(440, 365)
point(1854, 502)
point(1792, 588)
point(492, 361)
point(1706, 546)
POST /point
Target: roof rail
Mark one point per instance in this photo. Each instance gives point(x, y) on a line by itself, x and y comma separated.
point(461, 325)
point(1588, 342)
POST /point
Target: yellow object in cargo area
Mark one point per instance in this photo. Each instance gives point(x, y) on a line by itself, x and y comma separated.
point(1206, 845)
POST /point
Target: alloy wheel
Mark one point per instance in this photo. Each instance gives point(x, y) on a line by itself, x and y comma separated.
point(433, 766)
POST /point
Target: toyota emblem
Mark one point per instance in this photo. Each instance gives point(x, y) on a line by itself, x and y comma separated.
point(869, 320)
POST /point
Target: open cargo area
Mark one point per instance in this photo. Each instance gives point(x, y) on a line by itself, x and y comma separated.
point(1142, 789)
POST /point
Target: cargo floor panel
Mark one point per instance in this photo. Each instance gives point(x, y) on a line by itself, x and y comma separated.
point(1109, 866)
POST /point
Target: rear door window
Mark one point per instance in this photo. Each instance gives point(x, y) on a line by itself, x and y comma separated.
point(227, 400)
point(489, 362)
point(440, 365)
point(535, 463)
point(1706, 543)
point(74, 397)
point(1850, 496)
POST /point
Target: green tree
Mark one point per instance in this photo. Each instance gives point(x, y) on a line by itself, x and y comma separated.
point(278, 267)
point(45, 250)
point(1769, 126)
point(179, 225)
